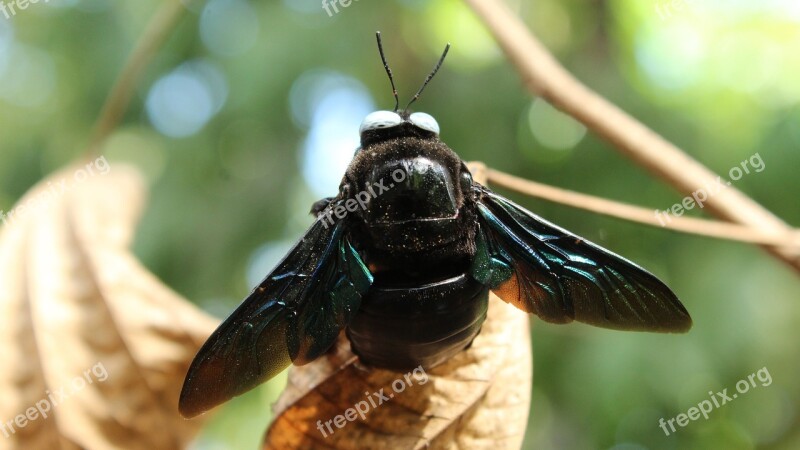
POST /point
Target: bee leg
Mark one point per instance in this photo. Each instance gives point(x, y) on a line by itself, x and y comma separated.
point(320, 205)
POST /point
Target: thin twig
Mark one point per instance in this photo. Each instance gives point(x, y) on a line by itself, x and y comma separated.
point(544, 76)
point(690, 225)
point(157, 31)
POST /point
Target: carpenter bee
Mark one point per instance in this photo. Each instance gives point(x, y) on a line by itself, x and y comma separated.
point(403, 259)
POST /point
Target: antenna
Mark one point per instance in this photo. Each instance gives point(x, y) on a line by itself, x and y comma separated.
point(388, 71)
point(428, 79)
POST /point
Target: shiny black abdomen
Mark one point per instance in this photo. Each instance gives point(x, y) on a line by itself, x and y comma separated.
point(402, 325)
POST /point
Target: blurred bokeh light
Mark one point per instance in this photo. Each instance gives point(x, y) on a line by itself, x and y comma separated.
point(251, 111)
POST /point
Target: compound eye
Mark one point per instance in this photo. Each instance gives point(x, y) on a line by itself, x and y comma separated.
point(380, 119)
point(424, 121)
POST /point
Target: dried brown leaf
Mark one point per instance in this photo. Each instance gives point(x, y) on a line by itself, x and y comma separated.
point(478, 399)
point(78, 312)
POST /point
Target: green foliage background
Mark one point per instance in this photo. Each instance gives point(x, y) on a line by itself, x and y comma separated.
point(717, 78)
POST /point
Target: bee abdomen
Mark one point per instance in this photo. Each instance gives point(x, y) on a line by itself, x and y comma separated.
point(404, 327)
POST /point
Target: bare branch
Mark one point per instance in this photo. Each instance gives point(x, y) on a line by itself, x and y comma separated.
point(158, 29)
point(544, 76)
point(690, 225)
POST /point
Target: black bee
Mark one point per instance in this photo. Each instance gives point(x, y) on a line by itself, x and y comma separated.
point(403, 259)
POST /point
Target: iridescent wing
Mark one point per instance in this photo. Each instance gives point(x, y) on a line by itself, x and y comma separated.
point(545, 270)
point(293, 316)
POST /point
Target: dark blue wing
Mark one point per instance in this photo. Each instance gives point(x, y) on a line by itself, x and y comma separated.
point(294, 315)
point(560, 277)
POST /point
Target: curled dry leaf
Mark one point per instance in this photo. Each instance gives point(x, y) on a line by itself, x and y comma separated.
point(478, 399)
point(94, 347)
